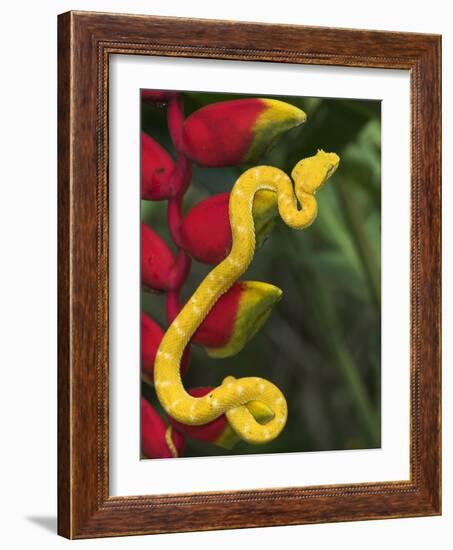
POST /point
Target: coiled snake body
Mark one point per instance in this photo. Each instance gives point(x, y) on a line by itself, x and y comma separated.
point(233, 395)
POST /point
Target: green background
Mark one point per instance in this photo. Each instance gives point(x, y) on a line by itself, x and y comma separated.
point(322, 343)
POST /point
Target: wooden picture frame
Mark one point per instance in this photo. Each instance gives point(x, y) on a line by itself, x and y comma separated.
point(85, 42)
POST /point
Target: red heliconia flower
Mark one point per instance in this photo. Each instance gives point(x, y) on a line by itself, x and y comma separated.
point(161, 270)
point(157, 439)
point(236, 317)
point(206, 230)
point(219, 432)
point(157, 168)
point(151, 336)
point(238, 131)
point(161, 178)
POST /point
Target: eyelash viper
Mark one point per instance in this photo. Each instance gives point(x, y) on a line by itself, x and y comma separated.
point(233, 395)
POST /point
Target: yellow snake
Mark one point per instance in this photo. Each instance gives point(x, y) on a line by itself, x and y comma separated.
point(297, 207)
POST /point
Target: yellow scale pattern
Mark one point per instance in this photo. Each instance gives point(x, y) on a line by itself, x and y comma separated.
point(233, 395)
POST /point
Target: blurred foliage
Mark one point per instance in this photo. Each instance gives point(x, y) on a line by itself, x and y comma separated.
point(322, 343)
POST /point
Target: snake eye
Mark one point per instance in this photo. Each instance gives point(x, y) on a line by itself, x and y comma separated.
point(330, 170)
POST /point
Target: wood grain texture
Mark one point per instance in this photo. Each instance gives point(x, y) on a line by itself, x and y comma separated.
point(86, 40)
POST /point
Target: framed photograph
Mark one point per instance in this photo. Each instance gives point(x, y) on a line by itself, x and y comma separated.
point(249, 275)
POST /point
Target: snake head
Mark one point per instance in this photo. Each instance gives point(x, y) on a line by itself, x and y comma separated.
point(310, 174)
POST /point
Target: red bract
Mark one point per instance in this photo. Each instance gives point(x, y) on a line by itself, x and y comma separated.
point(161, 270)
point(220, 134)
point(217, 432)
point(236, 317)
point(206, 232)
point(217, 328)
point(157, 168)
point(213, 245)
point(161, 178)
point(151, 336)
point(233, 132)
point(158, 440)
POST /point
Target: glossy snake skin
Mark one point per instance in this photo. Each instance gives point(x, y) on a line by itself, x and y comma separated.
point(297, 207)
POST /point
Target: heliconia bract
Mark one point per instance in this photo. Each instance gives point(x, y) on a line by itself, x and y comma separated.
point(212, 246)
point(157, 439)
point(236, 317)
point(208, 246)
point(238, 131)
point(161, 270)
point(157, 168)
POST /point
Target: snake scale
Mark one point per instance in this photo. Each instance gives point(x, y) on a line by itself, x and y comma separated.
point(297, 207)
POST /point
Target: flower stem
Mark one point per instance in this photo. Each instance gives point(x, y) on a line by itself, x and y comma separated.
point(172, 305)
point(175, 120)
point(183, 261)
point(180, 181)
point(181, 176)
point(174, 220)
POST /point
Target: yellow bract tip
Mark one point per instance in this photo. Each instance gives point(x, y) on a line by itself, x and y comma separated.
point(277, 118)
point(255, 305)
